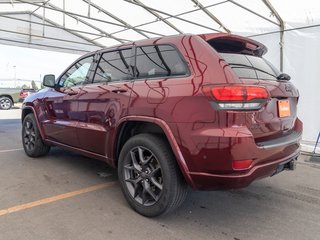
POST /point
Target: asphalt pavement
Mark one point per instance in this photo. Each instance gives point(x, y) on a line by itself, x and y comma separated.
point(67, 196)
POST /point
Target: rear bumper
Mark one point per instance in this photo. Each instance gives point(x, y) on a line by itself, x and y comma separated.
point(210, 152)
point(207, 181)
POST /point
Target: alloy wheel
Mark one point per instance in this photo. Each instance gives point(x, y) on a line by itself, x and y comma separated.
point(143, 176)
point(5, 103)
point(29, 135)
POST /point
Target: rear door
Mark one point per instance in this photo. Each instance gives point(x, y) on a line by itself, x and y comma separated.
point(104, 101)
point(61, 105)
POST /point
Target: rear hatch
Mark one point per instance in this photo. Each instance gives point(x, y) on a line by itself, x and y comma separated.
point(277, 116)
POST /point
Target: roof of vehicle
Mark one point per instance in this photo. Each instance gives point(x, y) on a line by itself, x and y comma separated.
point(207, 37)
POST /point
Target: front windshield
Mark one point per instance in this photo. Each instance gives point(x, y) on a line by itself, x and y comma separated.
point(251, 67)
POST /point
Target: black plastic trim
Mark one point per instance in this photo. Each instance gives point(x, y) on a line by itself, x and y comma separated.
point(292, 138)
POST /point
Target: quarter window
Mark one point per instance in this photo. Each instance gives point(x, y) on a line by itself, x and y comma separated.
point(159, 61)
point(114, 66)
point(77, 74)
point(252, 67)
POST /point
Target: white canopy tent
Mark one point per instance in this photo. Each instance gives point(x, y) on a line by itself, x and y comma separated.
point(289, 28)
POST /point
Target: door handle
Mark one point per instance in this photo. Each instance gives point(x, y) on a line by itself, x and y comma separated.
point(119, 90)
point(71, 93)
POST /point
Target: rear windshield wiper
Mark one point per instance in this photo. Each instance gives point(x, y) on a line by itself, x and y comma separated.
point(284, 76)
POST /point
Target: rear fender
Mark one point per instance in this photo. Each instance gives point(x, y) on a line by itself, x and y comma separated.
point(171, 139)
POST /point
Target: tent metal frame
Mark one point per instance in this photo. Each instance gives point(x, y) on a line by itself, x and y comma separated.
point(162, 16)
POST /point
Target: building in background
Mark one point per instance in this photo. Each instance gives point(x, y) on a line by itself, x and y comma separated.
point(19, 83)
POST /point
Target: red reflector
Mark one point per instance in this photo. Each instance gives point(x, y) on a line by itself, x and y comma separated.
point(241, 164)
point(239, 93)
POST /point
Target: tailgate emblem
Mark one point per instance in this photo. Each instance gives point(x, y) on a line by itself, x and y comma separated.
point(288, 87)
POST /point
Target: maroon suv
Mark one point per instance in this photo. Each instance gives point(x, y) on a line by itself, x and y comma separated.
point(200, 110)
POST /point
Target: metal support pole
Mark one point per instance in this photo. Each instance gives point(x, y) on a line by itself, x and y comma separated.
point(88, 24)
point(43, 19)
point(281, 26)
point(63, 14)
point(253, 12)
point(154, 13)
point(89, 6)
point(173, 16)
point(117, 18)
point(30, 28)
point(214, 18)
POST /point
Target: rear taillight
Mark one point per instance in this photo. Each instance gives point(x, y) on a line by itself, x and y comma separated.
point(238, 97)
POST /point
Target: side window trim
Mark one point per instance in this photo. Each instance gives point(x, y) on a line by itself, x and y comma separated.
point(186, 65)
point(93, 68)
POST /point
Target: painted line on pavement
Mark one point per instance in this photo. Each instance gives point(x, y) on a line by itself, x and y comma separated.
point(55, 198)
point(11, 150)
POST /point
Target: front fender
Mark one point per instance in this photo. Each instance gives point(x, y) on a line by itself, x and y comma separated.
point(29, 108)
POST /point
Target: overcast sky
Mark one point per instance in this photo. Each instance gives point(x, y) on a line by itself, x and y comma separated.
point(27, 63)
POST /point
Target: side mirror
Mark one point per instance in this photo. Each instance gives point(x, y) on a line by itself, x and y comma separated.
point(49, 81)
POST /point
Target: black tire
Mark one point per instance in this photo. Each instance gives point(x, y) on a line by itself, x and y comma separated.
point(149, 176)
point(31, 139)
point(5, 103)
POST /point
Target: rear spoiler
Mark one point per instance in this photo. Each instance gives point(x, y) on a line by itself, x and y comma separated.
point(229, 43)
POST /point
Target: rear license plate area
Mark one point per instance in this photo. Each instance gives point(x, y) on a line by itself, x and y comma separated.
point(284, 108)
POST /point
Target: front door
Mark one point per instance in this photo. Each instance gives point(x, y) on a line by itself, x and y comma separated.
point(61, 104)
point(103, 102)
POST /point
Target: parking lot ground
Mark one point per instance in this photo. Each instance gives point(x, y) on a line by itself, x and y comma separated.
point(68, 196)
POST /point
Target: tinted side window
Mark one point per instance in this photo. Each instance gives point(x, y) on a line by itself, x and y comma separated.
point(159, 61)
point(114, 66)
point(77, 74)
point(247, 66)
point(264, 70)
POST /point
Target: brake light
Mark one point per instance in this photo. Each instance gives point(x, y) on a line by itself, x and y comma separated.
point(239, 93)
point(237, 97)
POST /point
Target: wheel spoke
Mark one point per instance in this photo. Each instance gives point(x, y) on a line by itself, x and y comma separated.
point(136, 185)
point(144, 160)
point(144, 195)
point(135, 162)
point(147, 188)
point(156, 183)
point(154, 171)
point(140, 151)
point(129, 167)
point(134, 181)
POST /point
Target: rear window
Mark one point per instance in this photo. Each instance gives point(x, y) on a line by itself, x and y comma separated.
point(252, 67)
point(159, 61)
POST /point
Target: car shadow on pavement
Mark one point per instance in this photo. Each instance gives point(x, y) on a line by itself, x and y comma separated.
point(78, 163)
point(201, 205)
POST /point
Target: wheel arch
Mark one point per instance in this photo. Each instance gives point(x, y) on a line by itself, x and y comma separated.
point(27, 110)
point(8, 96)
point(131, 125)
